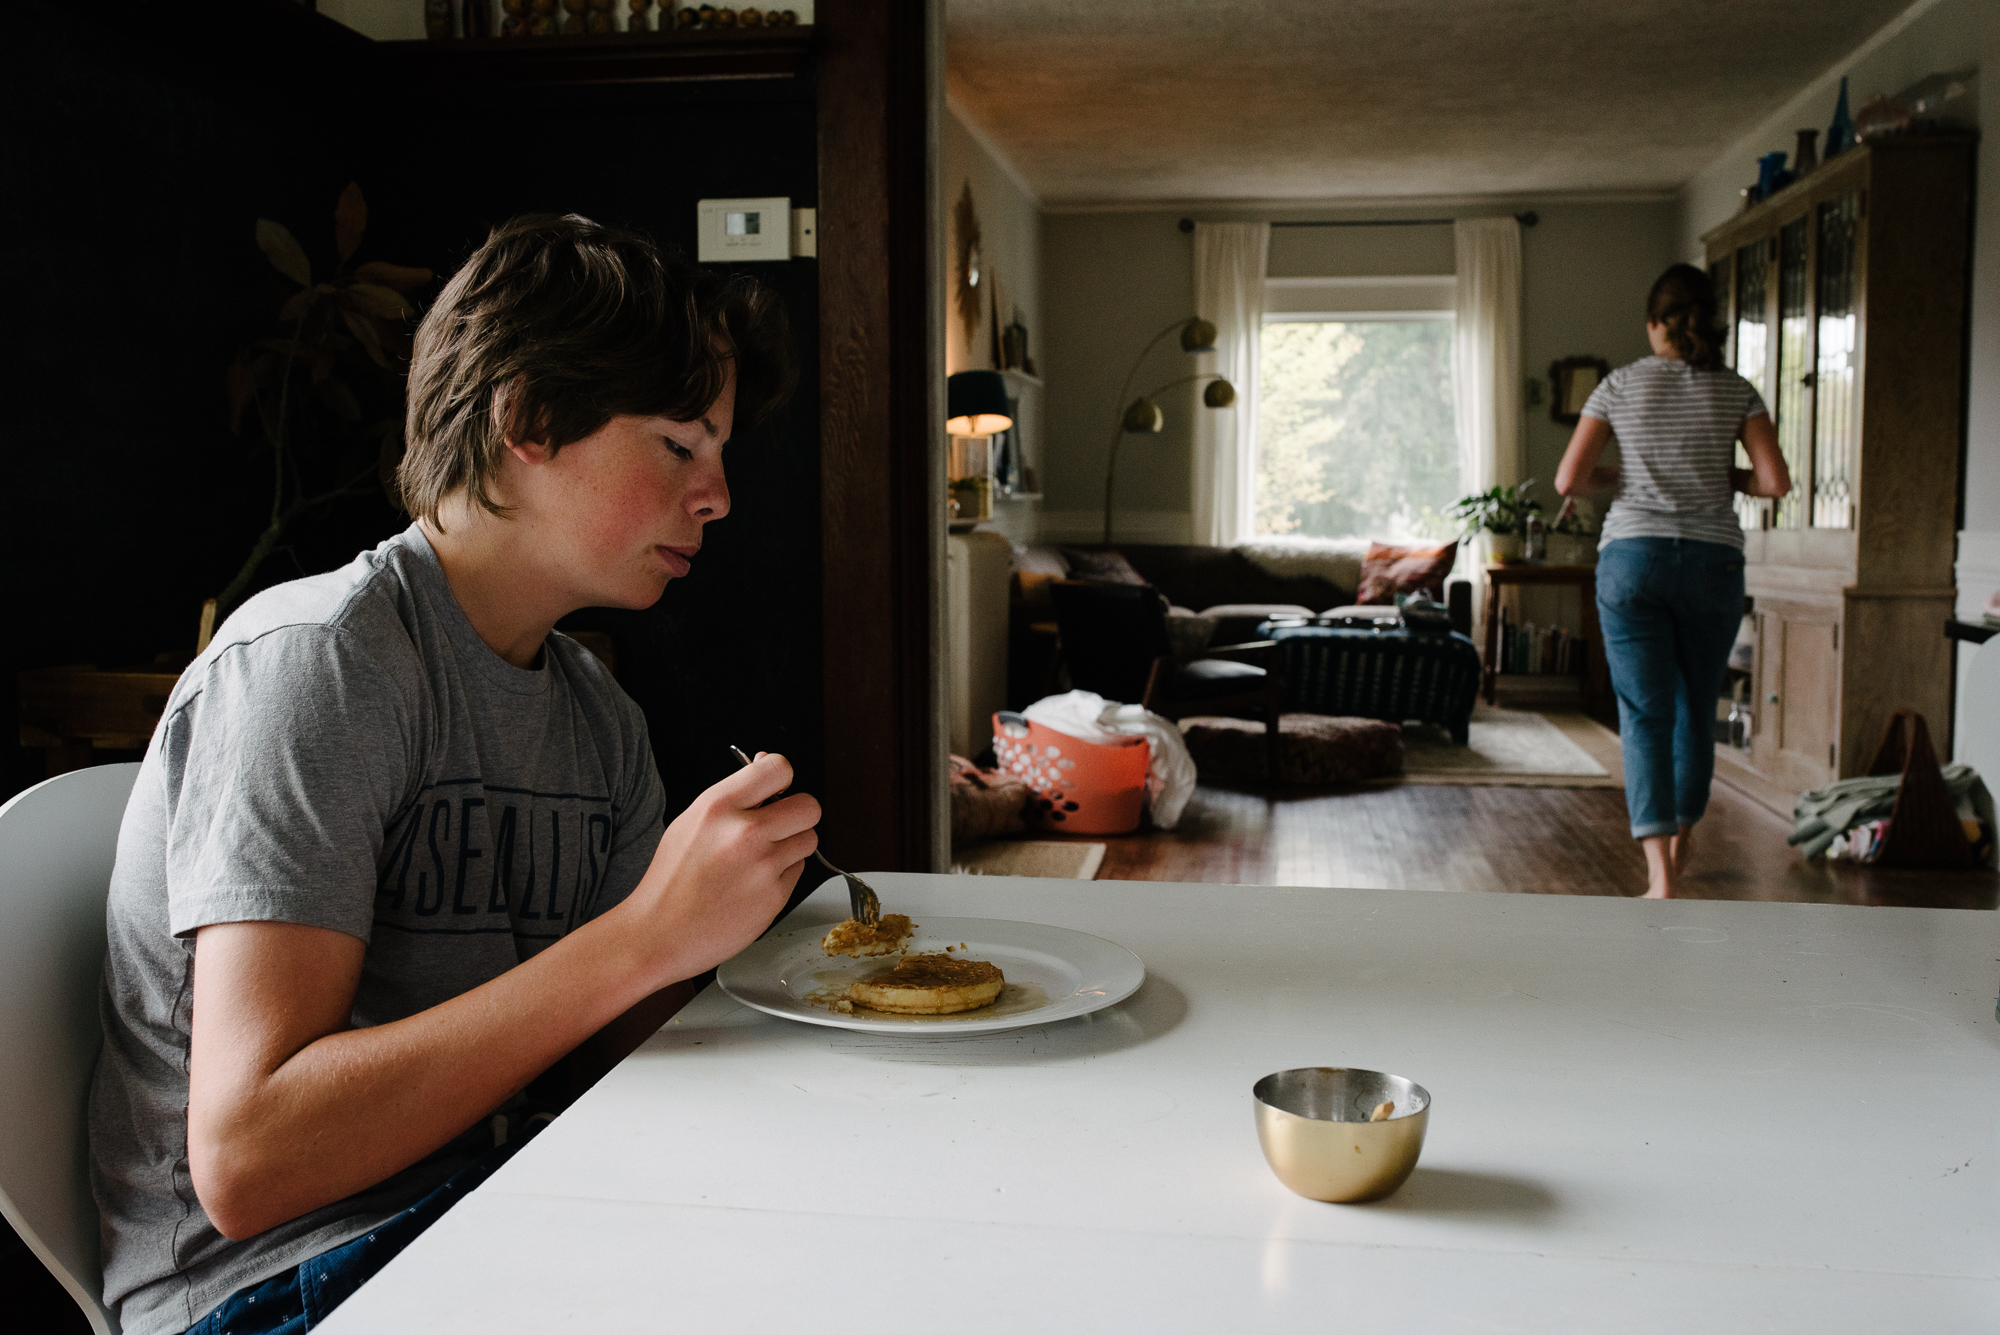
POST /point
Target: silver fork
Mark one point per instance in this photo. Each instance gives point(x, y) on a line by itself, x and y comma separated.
point(862, 905)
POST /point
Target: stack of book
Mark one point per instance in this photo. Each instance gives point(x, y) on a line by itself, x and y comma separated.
point(1530, 649)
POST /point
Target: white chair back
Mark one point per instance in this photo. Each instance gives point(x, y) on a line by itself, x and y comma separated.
point(57, 841)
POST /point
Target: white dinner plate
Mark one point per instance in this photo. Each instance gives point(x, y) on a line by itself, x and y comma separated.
point(1052, 974)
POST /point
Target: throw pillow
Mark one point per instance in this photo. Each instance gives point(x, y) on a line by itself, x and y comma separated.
point(1312, 749)
point(1388, 570)
point(1106, 567)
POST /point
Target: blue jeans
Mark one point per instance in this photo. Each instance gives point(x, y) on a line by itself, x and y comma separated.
point(1669, 609)
point(299, 1299)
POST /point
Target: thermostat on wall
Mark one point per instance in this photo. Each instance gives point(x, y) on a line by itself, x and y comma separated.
point(744, 229)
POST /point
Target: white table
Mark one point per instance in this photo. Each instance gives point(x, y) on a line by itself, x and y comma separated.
point(1649, 1116)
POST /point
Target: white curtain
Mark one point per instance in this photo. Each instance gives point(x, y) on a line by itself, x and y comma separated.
point(1229, 262)
point(1486, 353)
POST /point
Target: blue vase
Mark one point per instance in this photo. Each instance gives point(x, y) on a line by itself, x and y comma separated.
point(1840, 134)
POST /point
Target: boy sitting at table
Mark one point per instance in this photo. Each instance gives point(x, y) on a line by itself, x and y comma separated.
point(396, 847)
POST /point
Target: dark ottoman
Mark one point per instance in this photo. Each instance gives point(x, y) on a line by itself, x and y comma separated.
point(1312, 749)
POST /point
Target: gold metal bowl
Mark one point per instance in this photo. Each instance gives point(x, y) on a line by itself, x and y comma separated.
point(1313, 1122)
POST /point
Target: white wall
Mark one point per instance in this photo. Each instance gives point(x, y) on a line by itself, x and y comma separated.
point(1929, 37)
point(1010, 241)
point(1114, 279)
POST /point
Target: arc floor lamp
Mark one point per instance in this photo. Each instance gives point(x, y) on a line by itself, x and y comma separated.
point(1142, 416)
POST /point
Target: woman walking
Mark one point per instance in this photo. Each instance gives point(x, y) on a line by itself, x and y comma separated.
point(1670, 563)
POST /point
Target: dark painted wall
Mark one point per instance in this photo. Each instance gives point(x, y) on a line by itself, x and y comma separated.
point(144, 148)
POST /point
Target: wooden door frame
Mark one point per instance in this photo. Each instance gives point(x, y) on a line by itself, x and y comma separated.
point(880, 76)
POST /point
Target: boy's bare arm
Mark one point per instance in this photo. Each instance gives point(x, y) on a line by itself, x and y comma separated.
point(290, 1109)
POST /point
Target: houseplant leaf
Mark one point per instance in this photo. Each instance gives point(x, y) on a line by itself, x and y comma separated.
point(284, 252)
point(339, 398)
point(364, 334)
point(298, 304)
point(350, 220)
point(374, 299)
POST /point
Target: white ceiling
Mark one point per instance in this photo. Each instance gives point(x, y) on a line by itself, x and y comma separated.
point(1122, 101)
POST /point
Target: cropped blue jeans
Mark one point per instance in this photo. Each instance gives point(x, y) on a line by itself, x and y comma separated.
point(1669, 608)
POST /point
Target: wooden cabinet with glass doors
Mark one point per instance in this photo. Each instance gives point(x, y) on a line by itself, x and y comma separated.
point(1846, 302)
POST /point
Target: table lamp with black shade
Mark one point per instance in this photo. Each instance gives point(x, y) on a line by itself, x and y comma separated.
point(976, 405)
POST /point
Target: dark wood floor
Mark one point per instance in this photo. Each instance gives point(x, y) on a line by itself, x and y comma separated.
point(1542, 841)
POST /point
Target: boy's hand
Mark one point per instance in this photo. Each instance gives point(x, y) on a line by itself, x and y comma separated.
point(725, 868)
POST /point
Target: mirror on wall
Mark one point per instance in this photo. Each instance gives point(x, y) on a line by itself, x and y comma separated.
point(1571, 383)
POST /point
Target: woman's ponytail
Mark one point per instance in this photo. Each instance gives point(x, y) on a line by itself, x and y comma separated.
point(1683, 300)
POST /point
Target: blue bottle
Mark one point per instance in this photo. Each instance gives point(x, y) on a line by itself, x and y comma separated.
point(1840, 134)
point(1770, 168)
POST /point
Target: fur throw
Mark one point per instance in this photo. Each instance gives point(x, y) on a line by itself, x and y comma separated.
point(1335, 560)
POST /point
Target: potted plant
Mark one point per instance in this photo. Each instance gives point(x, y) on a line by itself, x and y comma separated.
point(324, 385)
point(1499, 513)
point(1573, 537)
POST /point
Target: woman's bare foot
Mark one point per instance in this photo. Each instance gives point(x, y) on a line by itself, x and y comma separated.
point(1660, 869)
point(1681, 850)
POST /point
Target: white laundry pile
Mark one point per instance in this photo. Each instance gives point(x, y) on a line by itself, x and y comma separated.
point(1089, 717)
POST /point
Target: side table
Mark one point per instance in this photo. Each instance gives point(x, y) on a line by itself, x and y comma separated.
point(71, 712)
point(1596, 685)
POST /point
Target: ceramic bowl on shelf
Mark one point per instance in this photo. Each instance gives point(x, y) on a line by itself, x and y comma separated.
point(1314, 1124)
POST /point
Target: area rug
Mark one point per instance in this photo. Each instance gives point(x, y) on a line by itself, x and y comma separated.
point(1055, 859)
point(1515, 747)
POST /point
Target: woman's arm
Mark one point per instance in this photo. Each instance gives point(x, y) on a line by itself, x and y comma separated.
point(1767, 475)
point(1579, 473)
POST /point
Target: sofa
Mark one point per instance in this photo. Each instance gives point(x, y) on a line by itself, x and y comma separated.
point(1223, 588)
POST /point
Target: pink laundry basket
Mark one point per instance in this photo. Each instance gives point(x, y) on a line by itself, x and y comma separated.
point(1079, 787)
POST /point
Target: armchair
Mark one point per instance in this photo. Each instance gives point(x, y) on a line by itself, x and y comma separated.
point(1115, 641)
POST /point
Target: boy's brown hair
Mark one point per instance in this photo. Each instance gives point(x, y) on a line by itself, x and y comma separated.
point(557, 324)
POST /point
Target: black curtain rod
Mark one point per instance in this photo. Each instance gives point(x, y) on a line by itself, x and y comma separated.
point(1528, 219)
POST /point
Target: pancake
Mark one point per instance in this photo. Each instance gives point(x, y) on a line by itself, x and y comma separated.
point(857, 938)
point(930, 985)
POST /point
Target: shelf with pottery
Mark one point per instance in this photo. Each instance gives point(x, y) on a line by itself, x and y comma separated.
point(1846, 286)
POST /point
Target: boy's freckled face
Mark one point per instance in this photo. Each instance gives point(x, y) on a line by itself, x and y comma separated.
point(624, 507)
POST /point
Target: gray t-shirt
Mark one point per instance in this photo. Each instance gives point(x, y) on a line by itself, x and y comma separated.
point(1676, 429)
point(347, 754)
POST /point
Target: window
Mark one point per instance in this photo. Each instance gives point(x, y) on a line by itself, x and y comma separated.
point(1355, 422)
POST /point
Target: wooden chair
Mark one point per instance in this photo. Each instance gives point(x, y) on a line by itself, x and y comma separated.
point(1923, 829)
point(57, 841)
point(1115, 642)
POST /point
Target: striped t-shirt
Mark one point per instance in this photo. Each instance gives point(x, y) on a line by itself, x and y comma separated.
point(1676, 429)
